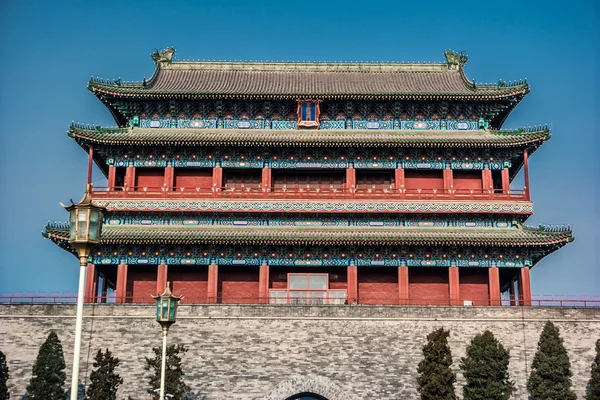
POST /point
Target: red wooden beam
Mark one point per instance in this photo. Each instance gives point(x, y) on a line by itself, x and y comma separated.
point(91, 280)
point(494, 286)
point(454, 286)
point(161, 278)
point(352, 291)
point(121, 286)
point(526, 170)
point(403, 285)
point(213, 282)
point(90, 161)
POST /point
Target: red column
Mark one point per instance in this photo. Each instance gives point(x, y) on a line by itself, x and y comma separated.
point(90, 164)
point(130, 177)
point(169, 178)
point(399, 179)
point(91, 284)
point(266, 179)
point(112, 174)
point(524, 287)
point(448, 180)
point(121, 285)
point(217, 178)
point(486, 180)
point(505, 181)
point(161, 278)
point(350, 178)
point(352, 279)
point(494, 286)
point(454, 286)
point(526, 168)
point(263, 284)
point(213, 281)
point(403, 285)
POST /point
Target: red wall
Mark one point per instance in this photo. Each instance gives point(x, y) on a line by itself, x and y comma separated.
point(467, 180)
point(152, 178)
point(191, 178)
point(141, 283)
point(189, 281)
point(238, 285)
point(474, 285)
point(423, 179)
point(428, 286)
point(378, 285)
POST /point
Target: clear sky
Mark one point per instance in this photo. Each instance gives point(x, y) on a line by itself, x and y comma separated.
point(49, 50)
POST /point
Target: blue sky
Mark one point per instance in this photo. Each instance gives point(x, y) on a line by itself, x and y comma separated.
point(51, 48)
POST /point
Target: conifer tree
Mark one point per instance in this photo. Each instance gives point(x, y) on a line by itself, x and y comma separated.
point(594, 383)
point(485, 369)
point(436, 379)
point(550, 377)
point(174, 383)
point(104, 381)
point(48, 380)
point(4, 395)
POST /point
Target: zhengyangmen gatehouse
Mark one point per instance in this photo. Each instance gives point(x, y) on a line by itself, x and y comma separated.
point(313, 183)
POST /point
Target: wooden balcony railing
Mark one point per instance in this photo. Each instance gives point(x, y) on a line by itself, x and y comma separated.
point(308, 192)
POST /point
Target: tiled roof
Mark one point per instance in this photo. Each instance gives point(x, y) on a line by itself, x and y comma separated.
point(309, 138)
point(521, 236)
point(324, 80)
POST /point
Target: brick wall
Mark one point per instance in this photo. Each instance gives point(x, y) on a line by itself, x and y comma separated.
point(238, 284)
point(378, 285)
point(428, 286)
point(474, 285)
point(271, 352)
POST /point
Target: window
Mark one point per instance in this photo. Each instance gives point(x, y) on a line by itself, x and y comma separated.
point(308, 114)
point(307, 289)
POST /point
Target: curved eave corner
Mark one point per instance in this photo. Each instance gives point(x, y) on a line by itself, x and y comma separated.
point(564, 237)
point(85, 145)
point(531, 148)
point(58, 233)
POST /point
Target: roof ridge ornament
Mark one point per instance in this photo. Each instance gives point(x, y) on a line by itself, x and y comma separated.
point(163, 57)
point(455, 60)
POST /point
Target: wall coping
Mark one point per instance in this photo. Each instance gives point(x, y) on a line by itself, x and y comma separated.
point(312, 312)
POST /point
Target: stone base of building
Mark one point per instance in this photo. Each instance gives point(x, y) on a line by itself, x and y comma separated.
point(272, 352)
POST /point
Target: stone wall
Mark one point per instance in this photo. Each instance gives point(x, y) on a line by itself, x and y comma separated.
point(272, 352)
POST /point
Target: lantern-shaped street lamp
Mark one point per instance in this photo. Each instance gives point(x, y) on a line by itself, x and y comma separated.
point(85, 230)
point(166, 312)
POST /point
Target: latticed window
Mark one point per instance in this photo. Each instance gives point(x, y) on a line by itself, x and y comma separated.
point(308, 289)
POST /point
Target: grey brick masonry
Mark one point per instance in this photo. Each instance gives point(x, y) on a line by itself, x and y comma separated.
point(272, 352)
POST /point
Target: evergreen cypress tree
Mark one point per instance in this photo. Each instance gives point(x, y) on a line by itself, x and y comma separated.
point(174, 383)
point(594, 383)
point(4, 395)
point(48, 380)
point(104, 381)
point(485, 369)
point(550, 377)
point(436, 379)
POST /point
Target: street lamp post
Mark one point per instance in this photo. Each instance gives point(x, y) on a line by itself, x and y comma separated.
point(166, 311)
point(85, 230)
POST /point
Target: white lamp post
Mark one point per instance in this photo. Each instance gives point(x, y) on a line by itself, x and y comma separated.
point(85, 229)
point(166, 311)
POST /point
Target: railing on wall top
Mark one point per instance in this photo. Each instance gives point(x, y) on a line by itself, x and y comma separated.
point(367, 299)
point(251, 191)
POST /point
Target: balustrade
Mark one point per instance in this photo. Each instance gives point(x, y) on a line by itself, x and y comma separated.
point(307, 191)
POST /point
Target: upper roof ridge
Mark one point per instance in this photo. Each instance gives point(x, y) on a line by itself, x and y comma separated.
point(164, 60)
